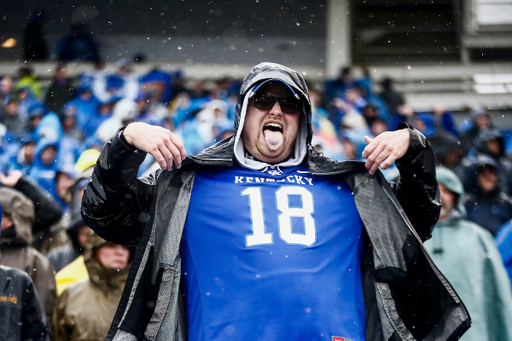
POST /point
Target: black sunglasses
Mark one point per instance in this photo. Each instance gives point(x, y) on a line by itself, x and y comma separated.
point(288, 105)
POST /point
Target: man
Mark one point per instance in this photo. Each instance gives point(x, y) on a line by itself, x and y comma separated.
point(466, 253)
point(22, 315)
point(85, 309)
point(488, 206)
point(17, 252)
point(281, 242)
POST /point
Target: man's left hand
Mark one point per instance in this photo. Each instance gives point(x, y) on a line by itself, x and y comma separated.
point(385, 149)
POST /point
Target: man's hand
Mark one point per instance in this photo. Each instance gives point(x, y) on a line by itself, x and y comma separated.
point(10, 180)
point(385, 149)
point(158, 141)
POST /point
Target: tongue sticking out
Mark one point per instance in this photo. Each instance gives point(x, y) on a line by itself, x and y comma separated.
point(274, 138)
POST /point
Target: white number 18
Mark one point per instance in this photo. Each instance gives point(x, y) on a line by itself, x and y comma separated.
point(260, 237)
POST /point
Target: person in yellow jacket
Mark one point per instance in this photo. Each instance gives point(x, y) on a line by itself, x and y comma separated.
point(85, 309)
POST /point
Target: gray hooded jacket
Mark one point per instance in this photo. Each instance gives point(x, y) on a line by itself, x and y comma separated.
point(406, 297)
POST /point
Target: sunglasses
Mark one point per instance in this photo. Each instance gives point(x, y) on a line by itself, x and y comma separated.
point(289, 105)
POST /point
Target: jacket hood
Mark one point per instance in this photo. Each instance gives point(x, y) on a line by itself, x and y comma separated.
point(259, 74)
point(38, 164)
point(101, 277)
point(21, 210)
point(488, 135)
point(451, 181)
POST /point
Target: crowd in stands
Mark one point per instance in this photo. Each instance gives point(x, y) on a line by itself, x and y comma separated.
point(51, 136)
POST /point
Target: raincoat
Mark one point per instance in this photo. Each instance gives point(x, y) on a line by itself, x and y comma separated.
point(16, 249)
point(406, 297)
point(85, 309)
point(467, 255)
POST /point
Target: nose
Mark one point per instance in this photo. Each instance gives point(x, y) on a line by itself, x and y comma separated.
point(276, 109)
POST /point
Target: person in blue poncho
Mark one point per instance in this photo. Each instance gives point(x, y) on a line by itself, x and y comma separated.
point(504, 242)
point(44, 167)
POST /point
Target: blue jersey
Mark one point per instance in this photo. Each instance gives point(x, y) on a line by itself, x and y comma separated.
point(272, 255)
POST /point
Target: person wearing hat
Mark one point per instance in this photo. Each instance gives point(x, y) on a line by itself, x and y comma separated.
point(488, 206)
point(17, 252)
point(62, 256)
point(262, 237)
point(22, 315)
point(84, 310)
point(467, 255)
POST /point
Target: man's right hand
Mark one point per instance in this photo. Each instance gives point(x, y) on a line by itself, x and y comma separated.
point(157, 141)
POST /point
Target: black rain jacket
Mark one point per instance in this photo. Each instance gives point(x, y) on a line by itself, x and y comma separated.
point(406, 297)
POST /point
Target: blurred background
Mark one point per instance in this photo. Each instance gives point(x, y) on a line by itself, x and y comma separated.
point(454, 52)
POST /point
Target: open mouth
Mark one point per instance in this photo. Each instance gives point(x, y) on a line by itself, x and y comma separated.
point(273, 127)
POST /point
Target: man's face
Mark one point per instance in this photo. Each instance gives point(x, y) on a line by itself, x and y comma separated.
point(113, 256)
point(487, 179)
point(64, 181)
point(494, 147)
point(447, 202)
point(269, 135)
point(48, 155)
point(6, 85)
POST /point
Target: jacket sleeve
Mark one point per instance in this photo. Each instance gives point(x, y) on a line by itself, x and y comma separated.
point(115, 203)
point(417, 188)
point(47, 211)
point(34, 320)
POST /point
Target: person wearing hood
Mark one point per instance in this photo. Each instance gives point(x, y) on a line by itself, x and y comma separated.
point(22, 315)
point(44, 167)
point(262, 237)
point(487, 206)
point(86, 109)
point(85, 309)
point(17, 221)
point(47, 212)
point(504, 243)
point(64, 255)
point(124, 112)
point(467, 255)
point(491, 144)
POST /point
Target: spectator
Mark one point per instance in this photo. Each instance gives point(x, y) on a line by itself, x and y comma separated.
point(79, 45)
point(78, 233)
point(34, 43)
point(47, 212)
point(488, 206)
point(61, 90)
point(23, 158)
point(12, 121)
point(22, 316)
point(17, 223)
point(392, 98)
point(44, 167)
point(504, 242)
point(85, 309)
point(29, 81)
point(480, 119)
point(6, 90)
point(86, 110)
point(124, 83)
point(272, 142)
point(489, 143)
point(158, 82)
point(337, 87)
point(448, 150)
point(467, 255)
point(124, 112)
point(25, 101)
